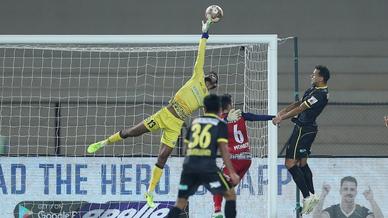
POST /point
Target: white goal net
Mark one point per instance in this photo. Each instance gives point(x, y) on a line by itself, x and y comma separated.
point(58, 98)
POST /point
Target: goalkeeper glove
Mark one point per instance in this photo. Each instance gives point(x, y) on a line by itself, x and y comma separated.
point(234, 115)
point(206, 25)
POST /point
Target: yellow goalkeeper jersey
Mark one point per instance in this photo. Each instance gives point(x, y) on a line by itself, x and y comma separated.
point(190, 96)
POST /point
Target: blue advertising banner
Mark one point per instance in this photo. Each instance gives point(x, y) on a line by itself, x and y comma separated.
point(100, 185)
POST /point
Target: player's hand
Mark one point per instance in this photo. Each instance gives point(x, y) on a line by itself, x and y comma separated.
point(234, 178)
point(325, 189)
point(368, 194)
point(206, 25)
point(234, 115)
point(276, 120)
point(386, 121)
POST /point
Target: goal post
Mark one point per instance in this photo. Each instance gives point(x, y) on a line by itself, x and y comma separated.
point(85, 76)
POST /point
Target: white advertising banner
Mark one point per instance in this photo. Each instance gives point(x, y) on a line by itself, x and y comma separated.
point(114, 187)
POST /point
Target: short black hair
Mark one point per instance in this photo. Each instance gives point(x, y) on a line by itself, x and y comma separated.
point(226, 100)
point(213, 75)
point(348, 179)
point(323, 72)
point(212, 103)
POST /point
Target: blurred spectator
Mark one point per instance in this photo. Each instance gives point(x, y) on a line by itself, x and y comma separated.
point(348, 207)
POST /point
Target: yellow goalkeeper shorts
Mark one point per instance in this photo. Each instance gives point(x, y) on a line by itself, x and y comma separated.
point(170, 125)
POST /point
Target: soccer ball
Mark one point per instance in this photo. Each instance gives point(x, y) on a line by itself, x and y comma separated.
point(214, 12)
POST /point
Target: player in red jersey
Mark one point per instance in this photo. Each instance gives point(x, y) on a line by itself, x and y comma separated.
point(238, 143)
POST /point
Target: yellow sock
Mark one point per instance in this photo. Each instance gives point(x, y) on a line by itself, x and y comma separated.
point(114, 138)
point(156, 174)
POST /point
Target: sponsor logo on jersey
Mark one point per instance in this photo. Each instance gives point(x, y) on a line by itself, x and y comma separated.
point(312, 100)
point(241, 146)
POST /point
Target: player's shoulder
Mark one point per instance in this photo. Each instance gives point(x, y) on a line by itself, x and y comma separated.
point(362, 209)
point(332, 208)
point(321, 93)
point(322, 90)
point(209, 119)
point(309, 90)
point(222, 122)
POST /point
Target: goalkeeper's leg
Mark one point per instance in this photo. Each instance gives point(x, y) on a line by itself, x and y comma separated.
point(171, 127)
point(157, 172)
point(134, 131)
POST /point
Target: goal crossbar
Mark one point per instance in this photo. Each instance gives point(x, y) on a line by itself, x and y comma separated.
point(134, 39)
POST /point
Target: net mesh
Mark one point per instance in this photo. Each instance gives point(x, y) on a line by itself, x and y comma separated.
point(57, 99)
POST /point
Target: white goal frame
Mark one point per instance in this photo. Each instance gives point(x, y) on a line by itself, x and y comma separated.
point(271, 40)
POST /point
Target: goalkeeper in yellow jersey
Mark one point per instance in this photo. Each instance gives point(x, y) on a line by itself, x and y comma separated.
point(170, 119)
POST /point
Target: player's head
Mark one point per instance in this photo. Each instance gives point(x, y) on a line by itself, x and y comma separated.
point(212, 104)
point(211, 80)
point(348, 189)
point(226, 103)
point(320, 75)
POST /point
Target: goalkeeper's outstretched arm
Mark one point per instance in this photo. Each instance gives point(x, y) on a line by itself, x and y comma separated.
point(199, 63)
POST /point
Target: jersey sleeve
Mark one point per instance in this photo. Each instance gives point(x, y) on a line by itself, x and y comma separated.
point(256, 117)
point(315, 100)
point(366, 211)
point(222, 132)
point(198, 73)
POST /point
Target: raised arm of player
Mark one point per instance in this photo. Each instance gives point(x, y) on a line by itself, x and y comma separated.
point(318, 211)
point(198, 67)
point(377, 213)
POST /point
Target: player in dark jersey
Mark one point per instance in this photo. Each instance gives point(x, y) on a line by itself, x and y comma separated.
point(207, 134)
point(298, 145)
point(348, 207)
point(238, 142)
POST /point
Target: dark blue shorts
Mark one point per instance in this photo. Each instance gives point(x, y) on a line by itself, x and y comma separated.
point(300, 141)
point(215, 182)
